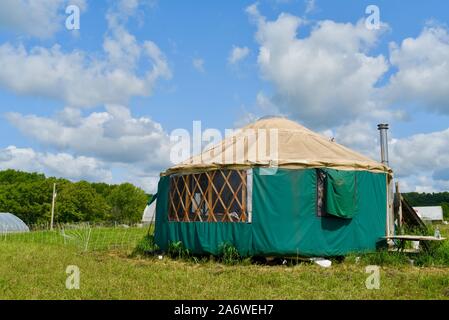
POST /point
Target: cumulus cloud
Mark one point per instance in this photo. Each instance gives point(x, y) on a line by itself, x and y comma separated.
point(361, 136)
point(266, 105)
point(423, 69)
point(237, 54)
point(76, 168)
point(40, 19)
point(328, 72)
point(329, 81)
point(419, 161)
point(83, 80)
point(78, 79)
point(110, 145)
point(148, 181)
point(59, 165)
point(421, 153)
point(423, 182)
point(111, 136)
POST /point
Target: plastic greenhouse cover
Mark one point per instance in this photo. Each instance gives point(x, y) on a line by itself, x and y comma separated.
point(9, 223)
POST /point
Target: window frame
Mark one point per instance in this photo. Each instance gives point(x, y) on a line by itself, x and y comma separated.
point(201, 196)
point(321, 177)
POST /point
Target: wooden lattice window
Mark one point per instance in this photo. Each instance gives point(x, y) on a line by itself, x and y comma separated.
point(214, 196)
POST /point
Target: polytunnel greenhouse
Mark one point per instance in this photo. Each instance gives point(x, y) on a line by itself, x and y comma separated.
point(9, 223)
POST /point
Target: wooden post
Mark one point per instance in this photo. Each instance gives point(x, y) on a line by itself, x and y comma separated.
point(210, 208)
point(53, 206)
point(399, 197)
point(188, 198)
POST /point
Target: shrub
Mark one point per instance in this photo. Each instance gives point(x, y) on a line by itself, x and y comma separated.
point(229, 254)
point(437, 255)
point(384, 257)
point(146, 246)
point(176, 250)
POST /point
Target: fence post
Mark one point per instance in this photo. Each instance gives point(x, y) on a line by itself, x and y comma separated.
point(88, 238)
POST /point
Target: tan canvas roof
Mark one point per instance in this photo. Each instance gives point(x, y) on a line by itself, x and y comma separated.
point(278, 142)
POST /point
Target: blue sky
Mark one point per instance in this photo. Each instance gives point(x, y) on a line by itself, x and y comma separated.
point(99, 103)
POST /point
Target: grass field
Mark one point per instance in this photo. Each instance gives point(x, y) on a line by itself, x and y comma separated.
point(83, 237)
point(36, 270)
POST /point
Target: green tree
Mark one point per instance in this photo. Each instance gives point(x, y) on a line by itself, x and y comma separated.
point(445, 206)
point(29, 196)
point(80, 202)
point(128, 203)
point(30, 201)
point(13, 177)
point(103, 189)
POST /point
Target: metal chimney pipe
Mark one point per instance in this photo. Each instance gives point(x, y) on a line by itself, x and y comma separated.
point(383, 129)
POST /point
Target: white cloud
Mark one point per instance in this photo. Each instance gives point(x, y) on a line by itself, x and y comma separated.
point(253, 12)
point(198, 64)
point(59, 165)
point(421, 153)
point(359, 135)
point(422, 182)
point(328, 72)
point(40, 19)
point(423, 69)
point(78, 79)
point(83, 80)
point(148, 181)
point(76, 168)
point(419, 161)
point(237, 54)
point(310, 6)
point(266, 105)
point(128, 6)
point(329, 81)
point(113, 136)
point(110, 146)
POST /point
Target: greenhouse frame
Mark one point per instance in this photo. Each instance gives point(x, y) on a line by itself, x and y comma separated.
point(10, 223)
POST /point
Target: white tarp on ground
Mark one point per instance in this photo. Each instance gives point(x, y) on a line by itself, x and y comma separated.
point(149, 213)
point(430, 213)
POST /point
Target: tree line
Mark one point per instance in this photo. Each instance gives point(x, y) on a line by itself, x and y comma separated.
point(29, 196)
point(429, 199)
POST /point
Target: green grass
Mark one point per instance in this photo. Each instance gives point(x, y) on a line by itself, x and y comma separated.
point(37, 271)
point(82, 237)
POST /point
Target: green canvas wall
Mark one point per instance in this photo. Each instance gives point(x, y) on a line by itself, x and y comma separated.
point(284, 219)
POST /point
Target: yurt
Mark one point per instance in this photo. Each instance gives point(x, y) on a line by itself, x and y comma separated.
point(275, 188)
